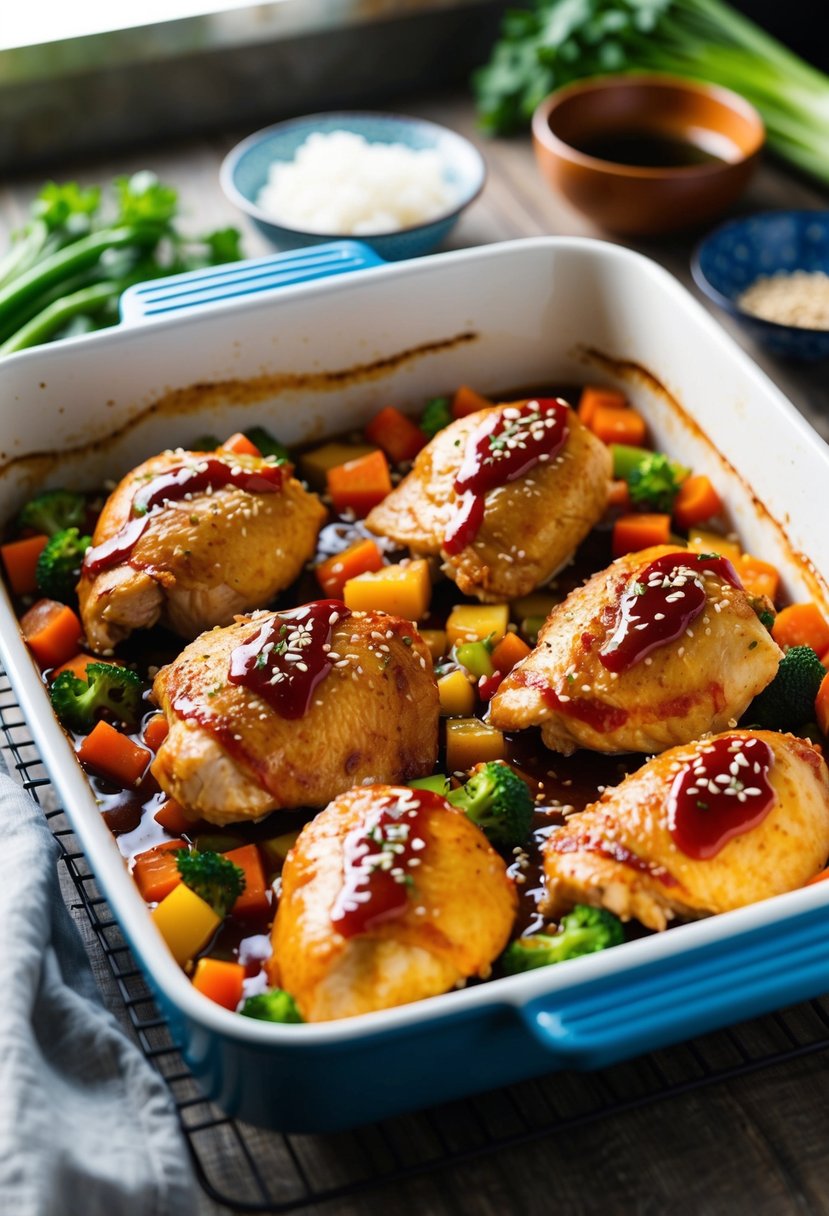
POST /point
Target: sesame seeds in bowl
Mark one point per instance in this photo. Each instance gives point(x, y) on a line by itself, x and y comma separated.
point(770, 272)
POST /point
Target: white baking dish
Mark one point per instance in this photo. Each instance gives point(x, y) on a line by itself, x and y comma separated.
point(318, 356)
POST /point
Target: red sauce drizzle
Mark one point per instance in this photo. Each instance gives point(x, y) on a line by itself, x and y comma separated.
point(721, 792)
point(288, 656)
point(596, 714)
point(204, 472)
point(594, 842)
point(602, 718)
point(380, 859)
point(658, 604)
point(505, 446)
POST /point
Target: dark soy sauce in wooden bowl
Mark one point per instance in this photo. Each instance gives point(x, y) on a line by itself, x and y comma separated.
point(648, 150)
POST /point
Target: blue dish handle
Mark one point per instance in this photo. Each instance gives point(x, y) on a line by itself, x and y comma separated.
point(182, 293)
point(685, 995)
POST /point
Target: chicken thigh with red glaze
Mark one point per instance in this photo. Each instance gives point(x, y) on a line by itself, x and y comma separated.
point(701, 829)
point(656, 650)
point(504, 496)
point(390, 895)
point(288, 709)
point(192, 538)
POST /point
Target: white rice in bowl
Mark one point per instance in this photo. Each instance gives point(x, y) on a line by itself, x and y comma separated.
point(341, 184)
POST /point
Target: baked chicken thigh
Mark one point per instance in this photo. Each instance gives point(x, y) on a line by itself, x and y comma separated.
point(288, 709)
point(192, 538)
point(657, 649)
point(388, 896)
point(701, 829)
point(503, 496)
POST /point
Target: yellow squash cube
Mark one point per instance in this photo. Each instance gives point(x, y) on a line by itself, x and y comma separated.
point(476, 623)
point(185, 922)
point(470, 742)
point(314, 465)
point(457, 696)
point(435, 639)
point(711, 542)
point(403, 590)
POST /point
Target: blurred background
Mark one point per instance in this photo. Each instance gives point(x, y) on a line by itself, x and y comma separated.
point(86, 78)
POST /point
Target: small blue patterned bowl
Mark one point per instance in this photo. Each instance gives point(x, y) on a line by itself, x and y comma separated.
point(731, 257)
point(245, 171)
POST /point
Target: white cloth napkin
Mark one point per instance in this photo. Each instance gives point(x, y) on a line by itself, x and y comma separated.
point(86, 1125)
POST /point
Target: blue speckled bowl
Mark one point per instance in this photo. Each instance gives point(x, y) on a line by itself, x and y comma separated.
point(731, 257)
point(245, 170)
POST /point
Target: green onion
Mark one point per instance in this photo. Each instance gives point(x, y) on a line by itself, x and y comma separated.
point(554, 42)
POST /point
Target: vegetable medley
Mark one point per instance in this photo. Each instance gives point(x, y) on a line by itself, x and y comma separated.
point(214, 881)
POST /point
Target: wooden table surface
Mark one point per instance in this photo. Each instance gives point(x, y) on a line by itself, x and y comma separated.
point(754, 1145)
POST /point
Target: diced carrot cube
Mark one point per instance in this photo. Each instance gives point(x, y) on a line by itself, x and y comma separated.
point(696, 501)
point(156, 731)
point(155, 871)
point(634, 532)
point(334, 572)
point(399, 437)
point(801, 625)
point(467, 401)
point(758, 577)
point(20, 559)
point(240, 445)
point(509, 651)
point(593, 396)
point(613, 425)
point(52, 632)
point(112, 755)
point(220, 981)
point(173, 818)
point(360, 484)
point(254, 899)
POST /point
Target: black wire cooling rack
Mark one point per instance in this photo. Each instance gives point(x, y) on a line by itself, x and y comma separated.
point(251, 1170)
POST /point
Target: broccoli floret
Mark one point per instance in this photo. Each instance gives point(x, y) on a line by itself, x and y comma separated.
point(789, 701)
point(499, 802)
point(213, 877)
point(267, 445)
point(583, 931)
point(276, 1005)
point(436, 416)
point(53, 511)
point(107, 689)
point(59, 565)
point(655, 482)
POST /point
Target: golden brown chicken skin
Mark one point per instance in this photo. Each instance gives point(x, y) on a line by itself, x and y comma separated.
point(232, 753)
point(390, 895)
point(702, 680)
point(531, 525)
point(667, 843)
point(203, 557)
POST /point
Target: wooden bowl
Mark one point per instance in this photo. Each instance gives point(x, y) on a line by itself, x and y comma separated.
point(693, 147)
